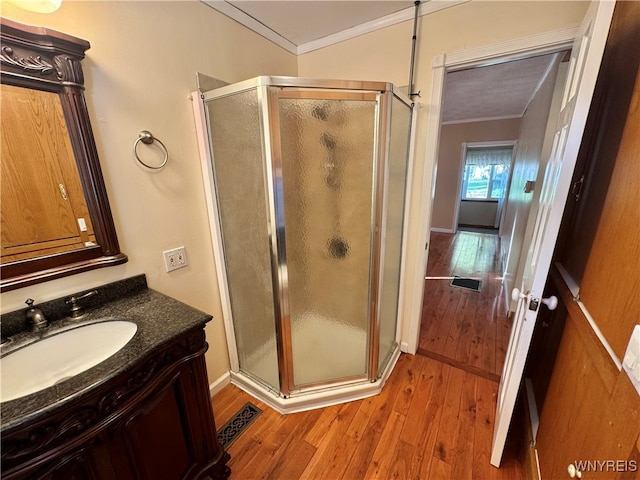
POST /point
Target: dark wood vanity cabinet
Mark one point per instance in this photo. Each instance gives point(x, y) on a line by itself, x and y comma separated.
point(154, 422)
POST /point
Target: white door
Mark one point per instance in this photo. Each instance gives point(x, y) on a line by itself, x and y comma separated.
point(581, 78)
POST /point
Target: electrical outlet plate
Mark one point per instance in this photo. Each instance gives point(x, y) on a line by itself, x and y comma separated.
point(175, 258)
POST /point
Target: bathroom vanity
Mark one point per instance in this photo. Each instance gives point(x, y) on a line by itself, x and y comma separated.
point(143, 413)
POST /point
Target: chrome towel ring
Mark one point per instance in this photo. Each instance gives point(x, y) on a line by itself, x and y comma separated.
point(147, 138)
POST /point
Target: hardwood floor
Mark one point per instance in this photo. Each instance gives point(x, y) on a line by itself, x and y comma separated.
point(467, 329)
point(434, 418)
point(431, 421)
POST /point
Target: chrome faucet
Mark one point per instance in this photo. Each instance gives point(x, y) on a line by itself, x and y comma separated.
point(76, 308)
point(35, 317)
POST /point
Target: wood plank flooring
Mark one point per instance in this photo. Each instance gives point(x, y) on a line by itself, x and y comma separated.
point(431, 421)
point(467, 329)
point(434, 418)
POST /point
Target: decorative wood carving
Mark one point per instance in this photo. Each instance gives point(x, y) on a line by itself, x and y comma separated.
point(97, 409)
point(69, 69)
point(30, 63)
point(44, 59)
point(39, 445)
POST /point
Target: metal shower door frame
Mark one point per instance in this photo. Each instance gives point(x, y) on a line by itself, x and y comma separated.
point(382, 217)
point(305, 90)
point(383, 94)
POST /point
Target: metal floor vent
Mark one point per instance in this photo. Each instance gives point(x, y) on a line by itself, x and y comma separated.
point(231, 430)
point(468, 283)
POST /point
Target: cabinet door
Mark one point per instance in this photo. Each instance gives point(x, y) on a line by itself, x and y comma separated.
point(92, 462)
point(156, 438)
point(42, 198)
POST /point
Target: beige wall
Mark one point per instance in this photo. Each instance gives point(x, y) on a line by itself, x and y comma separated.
point(450, 162)
point(139, 71)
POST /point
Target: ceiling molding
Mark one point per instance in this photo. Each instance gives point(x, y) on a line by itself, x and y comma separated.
point(431, 6)
point(426, 8)
point(251, 23)
point(484, 119)
point(554, 62)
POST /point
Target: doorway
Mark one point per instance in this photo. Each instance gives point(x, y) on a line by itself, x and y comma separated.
point(466, 328)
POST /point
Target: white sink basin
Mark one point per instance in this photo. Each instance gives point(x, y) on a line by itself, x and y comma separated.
point(56, 358)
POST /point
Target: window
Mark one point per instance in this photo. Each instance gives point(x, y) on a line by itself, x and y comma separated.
point(486, 172)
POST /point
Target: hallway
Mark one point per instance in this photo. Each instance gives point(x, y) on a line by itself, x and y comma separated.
point(466, 329)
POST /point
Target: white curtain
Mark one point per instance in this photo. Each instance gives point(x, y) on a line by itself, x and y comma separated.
point(483, 156)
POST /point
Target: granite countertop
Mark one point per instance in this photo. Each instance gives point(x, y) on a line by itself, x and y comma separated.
point(159, 319)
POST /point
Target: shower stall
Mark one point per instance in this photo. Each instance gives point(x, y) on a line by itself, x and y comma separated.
point(306, 183)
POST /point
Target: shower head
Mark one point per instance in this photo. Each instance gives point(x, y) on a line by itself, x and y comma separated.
point(338, 247)
point(321, 112)
point(328, 141)
point(332, 181)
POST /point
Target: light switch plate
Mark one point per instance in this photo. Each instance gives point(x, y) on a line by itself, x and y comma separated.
point(631, 361)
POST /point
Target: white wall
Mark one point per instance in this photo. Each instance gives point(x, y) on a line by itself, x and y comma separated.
point(139, 72)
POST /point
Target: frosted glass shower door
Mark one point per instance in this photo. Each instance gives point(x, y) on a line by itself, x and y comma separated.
point(240, 177)
point(328, 163)
point(396, 178)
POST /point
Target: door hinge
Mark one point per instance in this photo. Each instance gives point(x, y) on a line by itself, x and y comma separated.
point(576, 188)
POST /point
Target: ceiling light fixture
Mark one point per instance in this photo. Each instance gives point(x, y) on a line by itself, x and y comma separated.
point(39, 6)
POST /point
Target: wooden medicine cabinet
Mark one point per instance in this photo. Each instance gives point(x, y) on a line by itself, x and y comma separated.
point(56, 219)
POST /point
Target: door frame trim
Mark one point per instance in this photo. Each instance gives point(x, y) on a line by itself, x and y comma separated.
point(492, 54)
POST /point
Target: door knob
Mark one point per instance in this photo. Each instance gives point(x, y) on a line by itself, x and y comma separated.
point(573, 471)
point(551, 302)
point(516, 295)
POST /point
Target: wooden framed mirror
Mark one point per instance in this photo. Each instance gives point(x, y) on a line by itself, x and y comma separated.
point(56, 219)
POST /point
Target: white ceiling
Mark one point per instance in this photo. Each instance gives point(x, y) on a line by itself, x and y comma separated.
point(493, 92)
point(301, 26)
point(303, 22)
point(497, 91)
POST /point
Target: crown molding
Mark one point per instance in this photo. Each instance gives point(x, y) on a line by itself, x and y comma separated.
point(251, 23)
point(426, 8)
point(481, 119)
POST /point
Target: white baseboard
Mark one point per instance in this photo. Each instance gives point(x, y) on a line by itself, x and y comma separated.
point(219, 384)
point(442, 230)
point(300, 402)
